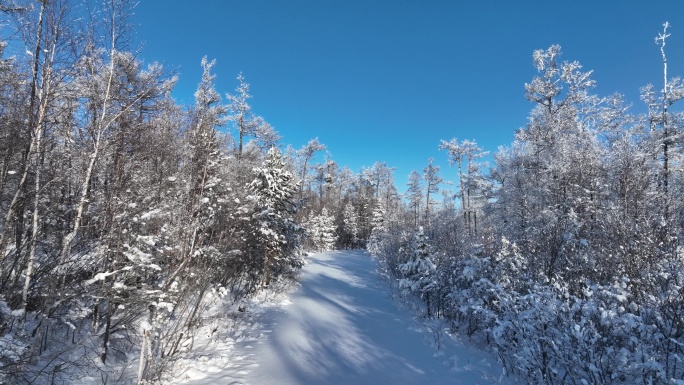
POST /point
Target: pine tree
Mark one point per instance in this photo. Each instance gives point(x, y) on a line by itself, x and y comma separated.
point(321, 232)
point(351, 226)
point(418, 272)
point(378, 232)
point(276, 233)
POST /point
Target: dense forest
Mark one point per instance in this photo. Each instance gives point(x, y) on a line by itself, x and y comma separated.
point(123, 213)
point(566, 257)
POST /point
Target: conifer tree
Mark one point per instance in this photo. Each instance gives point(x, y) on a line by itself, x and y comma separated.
point(321, 232)
point(351, 226)
point(418, 272)
point(276, 234)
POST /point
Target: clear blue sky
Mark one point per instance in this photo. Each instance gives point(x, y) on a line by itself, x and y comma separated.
point(386, 80)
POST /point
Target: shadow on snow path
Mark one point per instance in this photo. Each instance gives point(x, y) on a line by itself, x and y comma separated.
point(341, 327)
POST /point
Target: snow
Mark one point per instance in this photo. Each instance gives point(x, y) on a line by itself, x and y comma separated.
point(145, 326)
point(339, 327)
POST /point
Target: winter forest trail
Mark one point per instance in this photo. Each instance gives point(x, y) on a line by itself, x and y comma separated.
point(341, 327)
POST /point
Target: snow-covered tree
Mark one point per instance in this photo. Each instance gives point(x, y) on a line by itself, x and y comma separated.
point(432, 181)
point(320, 232)
point(414, 195)
point(381, 178)
point(305, 155)
point(240, 113)
point(665, 126)
point(276, 234)
point(419, 271)
point(350, 226)
point(471, 183)
point(550, 176)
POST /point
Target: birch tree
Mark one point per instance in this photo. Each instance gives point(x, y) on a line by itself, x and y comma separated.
point(97, 78)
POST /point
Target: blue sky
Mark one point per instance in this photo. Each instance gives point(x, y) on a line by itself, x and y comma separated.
point(386, 80)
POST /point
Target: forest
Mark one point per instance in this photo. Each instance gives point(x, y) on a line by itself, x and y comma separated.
point(565, 258)
point(123, 213)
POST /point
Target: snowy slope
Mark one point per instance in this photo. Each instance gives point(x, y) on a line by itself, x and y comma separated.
point(339, 327)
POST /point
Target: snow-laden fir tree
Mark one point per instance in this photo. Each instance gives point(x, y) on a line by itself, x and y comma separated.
point(378, 232)
point(351, 226)
point(419, 271)
point(321, 232)
point(275, 233)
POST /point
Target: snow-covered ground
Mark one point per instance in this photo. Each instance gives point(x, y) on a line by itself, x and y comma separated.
point(339, 327)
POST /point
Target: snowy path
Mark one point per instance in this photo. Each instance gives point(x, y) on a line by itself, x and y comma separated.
point(341, 327)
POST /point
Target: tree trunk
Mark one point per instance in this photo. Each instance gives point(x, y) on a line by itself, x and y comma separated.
point(33, 127)
point(68, 239)
point(107, 332)
point(42, 111)
point(34, 231)
point(146, 349)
